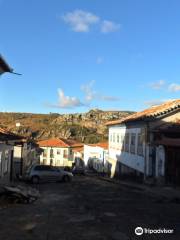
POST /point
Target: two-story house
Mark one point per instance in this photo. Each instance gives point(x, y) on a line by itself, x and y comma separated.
point(58, 151)
point(135, 147)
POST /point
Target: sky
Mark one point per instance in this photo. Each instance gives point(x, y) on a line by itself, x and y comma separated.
point(75, 55)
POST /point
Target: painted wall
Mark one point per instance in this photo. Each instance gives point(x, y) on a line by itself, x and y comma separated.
point(93, 152)
point(118, 154)
point(57, 159)
point(99, 156)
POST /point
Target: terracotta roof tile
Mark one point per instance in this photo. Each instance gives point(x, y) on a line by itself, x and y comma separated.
point(101, 144)
point(58, 142)
point(78, 149)
point(150, 112)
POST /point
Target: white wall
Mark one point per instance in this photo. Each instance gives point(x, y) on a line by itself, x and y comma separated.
point(132, 160)
point(93, 151)
point(58, 159)
point(17, 153)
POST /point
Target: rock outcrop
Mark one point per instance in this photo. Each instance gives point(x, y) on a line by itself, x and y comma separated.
point(85, 127)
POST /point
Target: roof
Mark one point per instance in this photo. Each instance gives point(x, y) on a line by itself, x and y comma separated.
point(150, 113)
point(59, 142)
point(6, 135)
point(78, 149)
point(4, 67)
point(101, 144)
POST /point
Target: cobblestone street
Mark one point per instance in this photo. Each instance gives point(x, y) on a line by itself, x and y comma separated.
point(88, 209)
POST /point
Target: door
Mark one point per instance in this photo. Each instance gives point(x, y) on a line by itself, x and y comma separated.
point(173, 166)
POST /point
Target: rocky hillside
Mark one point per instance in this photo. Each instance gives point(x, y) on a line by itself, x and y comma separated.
point(85, 127)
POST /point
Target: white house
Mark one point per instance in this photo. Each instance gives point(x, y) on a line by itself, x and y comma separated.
point(134, 147)
point(96, 156)
point(8, 141)
point(58, 151)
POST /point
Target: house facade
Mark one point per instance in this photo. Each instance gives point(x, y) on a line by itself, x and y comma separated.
point(58, 152)
point(134, 144)
point(96, 156)
point(8, 141)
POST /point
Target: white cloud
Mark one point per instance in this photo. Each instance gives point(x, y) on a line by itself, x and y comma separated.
point(174, 87)
point(80, 21)
point(158, 85)
point(67, 101)
point(73, 102)
point(99, 60)
point(109, 26)
point(91, 94)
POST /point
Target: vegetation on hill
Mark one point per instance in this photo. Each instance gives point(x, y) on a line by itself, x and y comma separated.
point(84, 127)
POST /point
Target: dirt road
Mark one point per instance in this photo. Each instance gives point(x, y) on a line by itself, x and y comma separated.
point(89, 209)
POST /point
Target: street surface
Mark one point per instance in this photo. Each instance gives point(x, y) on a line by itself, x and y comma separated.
point(89, 209)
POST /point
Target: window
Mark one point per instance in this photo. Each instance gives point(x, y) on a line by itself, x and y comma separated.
point(133, 143)
point(118, 138)
point(127, 142)
point(140, 145)
point(70, 151)
point(65, 153)
point(58, 151)
point(51, 153)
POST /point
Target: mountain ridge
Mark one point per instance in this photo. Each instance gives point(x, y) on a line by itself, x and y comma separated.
point(88, 127)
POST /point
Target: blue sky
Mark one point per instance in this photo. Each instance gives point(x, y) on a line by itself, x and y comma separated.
point(75, 55)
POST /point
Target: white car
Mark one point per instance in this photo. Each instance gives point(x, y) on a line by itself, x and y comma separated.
point(46, 173)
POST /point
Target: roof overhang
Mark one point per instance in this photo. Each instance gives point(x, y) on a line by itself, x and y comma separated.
point(4, 67)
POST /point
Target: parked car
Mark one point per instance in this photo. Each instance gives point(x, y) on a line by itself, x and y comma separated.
point(45, 173)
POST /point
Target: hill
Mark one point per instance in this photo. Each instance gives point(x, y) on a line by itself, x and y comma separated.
point(85, 127)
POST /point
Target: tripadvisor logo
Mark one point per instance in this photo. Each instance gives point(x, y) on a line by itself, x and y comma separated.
point(140, 231)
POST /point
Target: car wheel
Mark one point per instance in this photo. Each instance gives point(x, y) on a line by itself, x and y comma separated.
point(66, 178)
point(35, 179)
